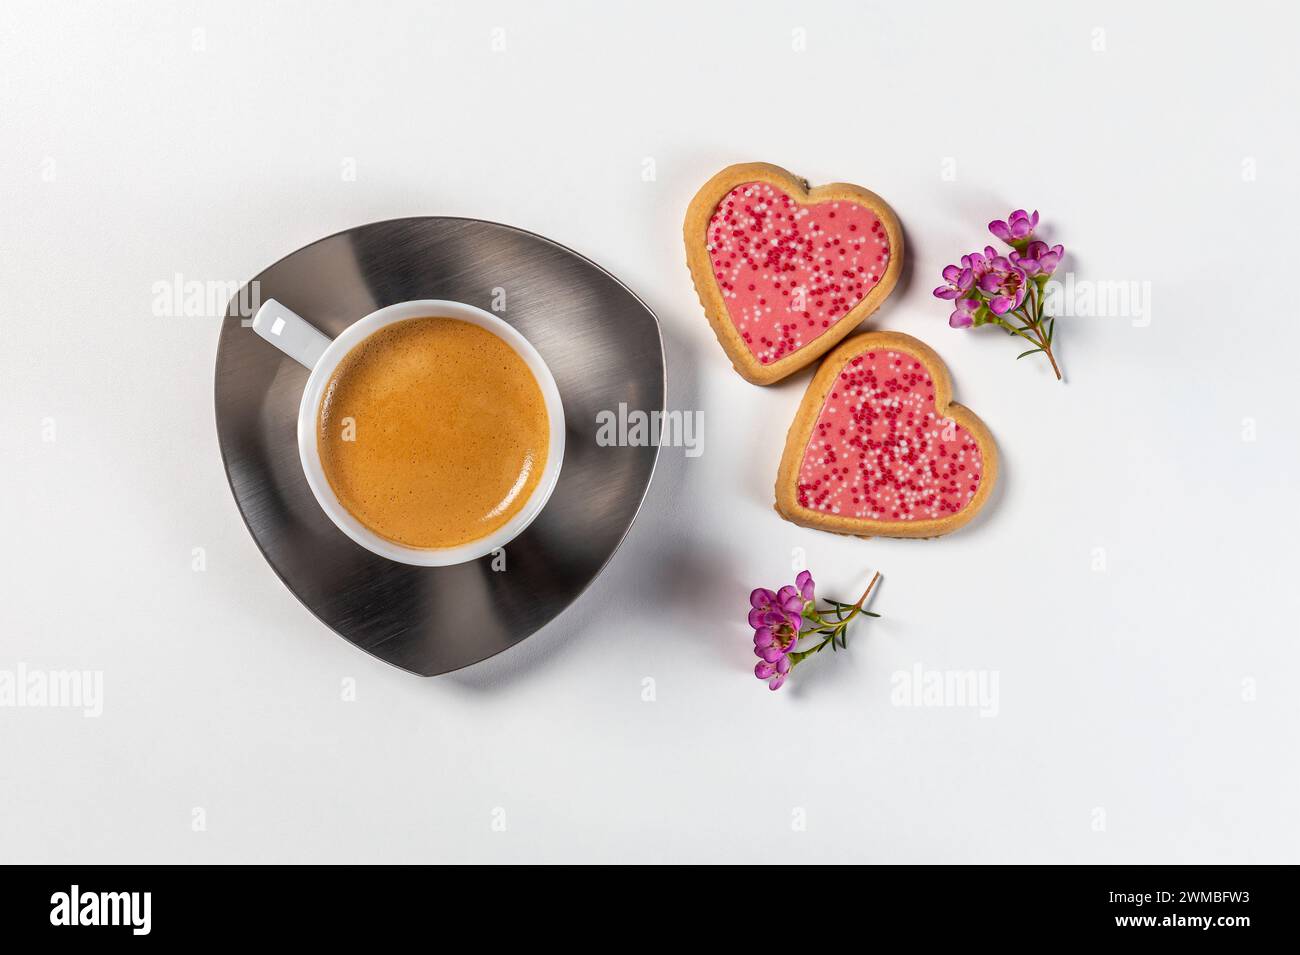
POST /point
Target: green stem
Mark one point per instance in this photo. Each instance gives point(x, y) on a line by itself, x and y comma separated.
point(838, 626)
point(798, 656)
point(857, 607)
point(1019, 331)
point(1032, 315)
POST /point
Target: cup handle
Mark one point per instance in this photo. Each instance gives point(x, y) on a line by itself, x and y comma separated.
point(291, 333)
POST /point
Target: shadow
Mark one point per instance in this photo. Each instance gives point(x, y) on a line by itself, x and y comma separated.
point(1078, 328)
point(679, 575)
point(979, 207)
point(701, 583)
point(905, 274)
point(763, 457)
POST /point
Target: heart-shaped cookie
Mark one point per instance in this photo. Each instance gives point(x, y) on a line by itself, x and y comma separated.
point(878, 449)
point(784, 272)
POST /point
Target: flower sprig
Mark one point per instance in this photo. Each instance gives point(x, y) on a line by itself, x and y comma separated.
point(1007, 290)
point(782, 619)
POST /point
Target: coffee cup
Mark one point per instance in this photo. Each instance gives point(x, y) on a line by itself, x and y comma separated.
point(306, 344)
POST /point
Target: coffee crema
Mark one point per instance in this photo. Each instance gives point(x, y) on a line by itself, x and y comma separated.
point(433, 432)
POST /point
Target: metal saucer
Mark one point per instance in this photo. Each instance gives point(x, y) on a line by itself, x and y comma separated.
point(604, 348)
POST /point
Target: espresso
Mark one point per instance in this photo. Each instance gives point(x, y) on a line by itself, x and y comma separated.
point(433, 432)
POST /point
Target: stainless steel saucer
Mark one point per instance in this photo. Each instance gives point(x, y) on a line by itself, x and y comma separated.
point(601, 343)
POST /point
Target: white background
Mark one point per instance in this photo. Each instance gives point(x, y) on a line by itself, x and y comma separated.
point(1147, 708)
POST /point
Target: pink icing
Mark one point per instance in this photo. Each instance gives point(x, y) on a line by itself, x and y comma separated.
point(788, 272)
point(879, 451)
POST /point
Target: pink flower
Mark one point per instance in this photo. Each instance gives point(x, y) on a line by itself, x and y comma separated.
point(774, 673)
point(987, 286)
point(963, 285)
point(1038, 259)
point(777, 619)
point(1017, 229)
point(959, 278)
point(1002, 283)
point(965, 313)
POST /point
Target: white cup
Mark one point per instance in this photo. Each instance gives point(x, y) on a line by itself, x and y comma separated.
point(304, 343)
